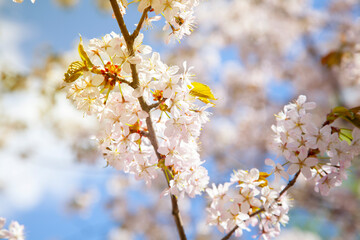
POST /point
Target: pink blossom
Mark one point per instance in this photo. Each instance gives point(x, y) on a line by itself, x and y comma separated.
point(302, 163)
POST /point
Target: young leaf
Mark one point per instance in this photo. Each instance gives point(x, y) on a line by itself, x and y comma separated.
point(84, 55)
point(345, 135)
point(342, 111)
point(351, 115)
point(202, 92)
point(75, 70)
point(356, 116)
point(339, 112)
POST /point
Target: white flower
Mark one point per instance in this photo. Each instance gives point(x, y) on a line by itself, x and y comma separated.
point(302, 163)
point(15, 232)
point(247, 199)
point(247, 179)
point(318, 138)
point(300, 105)
point(327, 182)
point(339, 153)
point(278, 170)
point(173, 152)
point(219, 195)
point(268, 197)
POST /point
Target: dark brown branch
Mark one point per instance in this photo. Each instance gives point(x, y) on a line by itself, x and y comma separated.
point(129, 39)
point(176, 214)
point(289, 185)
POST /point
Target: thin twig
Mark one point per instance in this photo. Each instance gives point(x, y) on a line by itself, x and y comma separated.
point(155, 105)
point(144, 133)
point(129, 39)
point(120, 19)
point(124, 81)
point(289, 185)
point(141, 22)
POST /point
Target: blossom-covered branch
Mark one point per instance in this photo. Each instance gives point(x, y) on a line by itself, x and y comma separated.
point(150, 119)
point(153, 91)
point(322, 154)
point(288, 186)
point(129, 39)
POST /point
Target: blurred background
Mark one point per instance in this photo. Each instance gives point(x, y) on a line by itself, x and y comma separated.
point(256, 55)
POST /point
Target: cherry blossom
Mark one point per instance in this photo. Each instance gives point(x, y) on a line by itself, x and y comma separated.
point(152, 124)
point(14, 232)
point(302, 144)
point(302, 163)
point(105, 91)
point(278, 170)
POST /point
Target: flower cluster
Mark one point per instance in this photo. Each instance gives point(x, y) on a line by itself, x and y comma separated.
point(319, 153)
point(15, 231)
point(315, 152)
point(236, 204)
point(178, 14)
point(130, 111)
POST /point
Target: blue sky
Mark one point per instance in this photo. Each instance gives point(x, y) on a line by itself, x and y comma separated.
point(40, 27)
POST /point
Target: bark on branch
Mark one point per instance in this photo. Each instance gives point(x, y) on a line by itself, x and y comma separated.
point(289, 185)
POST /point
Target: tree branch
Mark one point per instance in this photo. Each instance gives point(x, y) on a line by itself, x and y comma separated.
point(289, 185)
point(120, 19)
point(154, 105)
point(135, 84)
point(141, 22)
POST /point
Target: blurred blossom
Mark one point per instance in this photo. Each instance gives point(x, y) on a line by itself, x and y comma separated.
point(119, 234)
point(117, 184)
point(67, 3)
point(12, 34)
point(297, 234)
point(82, 201)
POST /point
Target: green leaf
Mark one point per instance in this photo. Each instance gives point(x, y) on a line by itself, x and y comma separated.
point(75, 70)
point(356, 116)
point(341, 112)
point(345, 135)
point(202, 92)
point(351, 115)
point(84, 55)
